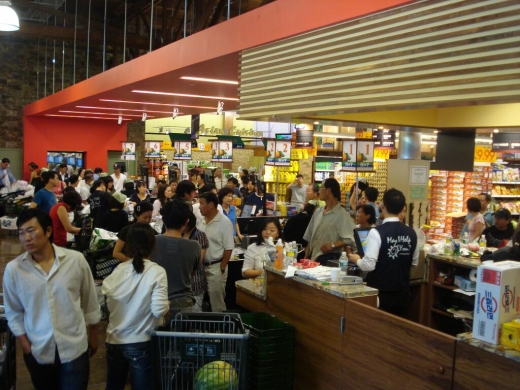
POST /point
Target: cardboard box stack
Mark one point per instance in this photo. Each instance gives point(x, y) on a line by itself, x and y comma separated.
point(496, 301)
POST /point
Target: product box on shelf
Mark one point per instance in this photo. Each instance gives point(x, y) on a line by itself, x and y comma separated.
point(464, 284)
point(496, 299)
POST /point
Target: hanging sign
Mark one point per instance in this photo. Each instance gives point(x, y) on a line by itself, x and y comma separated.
point(270, 151)
point(182, 150)
point(152, 149)
point(365, 156)
point(222, 151)
point(381, 154)
point(283, 153)
point(128, 151)
point(484, 154)
point(348, 157)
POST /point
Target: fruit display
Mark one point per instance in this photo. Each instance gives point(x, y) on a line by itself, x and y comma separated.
point(217, 375)
point(377, 178)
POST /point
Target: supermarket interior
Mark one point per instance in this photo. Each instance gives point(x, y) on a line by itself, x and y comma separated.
point(328, 107)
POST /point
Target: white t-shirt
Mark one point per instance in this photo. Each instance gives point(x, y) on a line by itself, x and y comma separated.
point(119, 184)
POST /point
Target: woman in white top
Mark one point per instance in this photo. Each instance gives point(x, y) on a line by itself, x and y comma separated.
point(256, 253)
point(137, 298)
point(164, 194)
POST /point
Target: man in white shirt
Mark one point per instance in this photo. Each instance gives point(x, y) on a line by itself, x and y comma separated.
point(219, 230)
point(298, 191)
point(49, 294)
point(220, 181)
point(119, 178)
point(84, 189)
point(196, 206)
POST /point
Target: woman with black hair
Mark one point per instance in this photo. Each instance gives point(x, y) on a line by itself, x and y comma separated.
point(366, 216)
point(477, 224)
point(59, 213)
point(225, 198)
point(142, 214)
point(109, 184)
point(357, 188)
point(116, 218)
point(256, 253)
point(99, 201)
point(33, 168)
point(140, 194)
point(164, 194)
point(137, 298)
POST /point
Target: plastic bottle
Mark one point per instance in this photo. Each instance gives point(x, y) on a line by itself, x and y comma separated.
point(343, 262)
point(448, 247)
point(465, 238)
point(290, 254)
point(482, 244)
point(271, 250)
point(278, 263)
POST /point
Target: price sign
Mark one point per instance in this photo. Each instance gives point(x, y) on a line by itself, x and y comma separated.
point(225, 151)
point(283, 153)
point(182, 150)
point(365, 156)
point(270, 151)
point(348, 157)
point(381, 154)
point(152, 149)
point(215, 151)
point(484, 154)
point(128, 151)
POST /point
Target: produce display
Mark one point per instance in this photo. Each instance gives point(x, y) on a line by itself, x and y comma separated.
point(217, 375)
point(377, 178)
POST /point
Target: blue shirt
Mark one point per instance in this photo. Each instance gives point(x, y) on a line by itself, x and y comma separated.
point(232, 215)
point(3, 173)
point(45, 199)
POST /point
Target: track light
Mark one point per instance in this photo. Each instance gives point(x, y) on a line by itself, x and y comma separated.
point(119, 120)
point(167, 131)
point(175, 113)
point(220, 108)
point(144, 116)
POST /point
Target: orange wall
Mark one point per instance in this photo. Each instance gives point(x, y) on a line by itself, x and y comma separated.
point(95, 137)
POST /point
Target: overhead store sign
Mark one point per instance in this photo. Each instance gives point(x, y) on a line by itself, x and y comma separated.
point(485, 154)
point(182, 150)
point(222, 151)
point(278, 152)
point(128, 151)
point(383, 138)
point(364, 133)
point(506, 141)
point(152, 149)
point(358, 155)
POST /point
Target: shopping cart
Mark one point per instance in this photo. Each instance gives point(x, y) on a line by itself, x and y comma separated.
point(101, 262)
point(10, 206)
point(7, 352)
point(200, 351)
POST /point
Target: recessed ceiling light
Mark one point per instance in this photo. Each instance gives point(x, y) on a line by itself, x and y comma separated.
point(495, 130)
point(435, 131)
point(83, 116)
point(316, 123)
point(124, 109)
point(381, 127)
point(95, 113)
point(183, 94)
point(209, 80)
point(153, 104)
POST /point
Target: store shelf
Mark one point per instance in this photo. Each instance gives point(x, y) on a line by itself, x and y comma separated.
point(506, 182)
point(441, 312)
point(325, 170)
point(506, 196)
point(440, 285)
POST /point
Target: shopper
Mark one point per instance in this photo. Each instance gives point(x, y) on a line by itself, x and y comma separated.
point(49, 295)
point(225, 199)
point(186, 191)
point(391, 249)
point(164, 194)
point(330, 228)
point(256, 198)
point(485, 202)
point(358, 187)
point(62, 172)
point(220, 234)
point(140, 194)
point(477, 223)
point(109, 183)
point(45, 198)
point(116, 218)
point(179, 257)
point(142, 214)
point(505, 253)
point(97, 172)
point(312, 195)
point(33, 169)
point(244, 181)
point(233, 184)
point(371, 194)
point(256, 254)
point(173, 185)
point(199, 283)
point(118, 177)
point(137, 298)
point(129, 188)
point(220, 180)
point(502, 231)
point(196, 207)
point(84, 188)
point(59, 213)
point(365, 216)
point(99, 201)
point(298, 191)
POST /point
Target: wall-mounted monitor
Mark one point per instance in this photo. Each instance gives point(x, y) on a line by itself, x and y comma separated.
point(304, 138)
point(455, 150)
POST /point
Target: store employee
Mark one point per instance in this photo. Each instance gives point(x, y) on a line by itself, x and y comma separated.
point(391, 249)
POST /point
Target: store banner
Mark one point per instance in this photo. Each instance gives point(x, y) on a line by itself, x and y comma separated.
point(348, 157)
point(358, 155)
point(128, 151)
point(222, 151)
point(152, 149)
point(485, 154)
point(283, 153)
point(270, 151)
point(182, 150)
point(381, 154)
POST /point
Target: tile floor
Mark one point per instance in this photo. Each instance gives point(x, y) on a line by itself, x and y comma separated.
point(10, 248)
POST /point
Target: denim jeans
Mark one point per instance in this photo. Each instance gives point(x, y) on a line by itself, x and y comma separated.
point(135, 358)
point(63, 376)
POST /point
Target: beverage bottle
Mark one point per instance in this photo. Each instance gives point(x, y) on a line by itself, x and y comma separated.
point(465, 238)
point(448, 248)
point(482, 244)
point(343, 262)
point(278, 263)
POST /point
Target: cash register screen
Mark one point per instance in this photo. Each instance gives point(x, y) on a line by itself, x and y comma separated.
point(360, 236)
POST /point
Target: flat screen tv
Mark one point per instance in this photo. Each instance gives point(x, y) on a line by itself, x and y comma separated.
point(455, 150)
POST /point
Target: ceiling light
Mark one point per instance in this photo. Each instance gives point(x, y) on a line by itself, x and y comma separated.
point(435, 131)
point(8, 18)
point(119, 120)
point(144, 117)
point(167, 131)
point(220, 108)
point(123, 109)
point(495, 130)
point(83, 116)
point(428, 142)
point(333, 135)
point(97, 113)
point(153, 104)
point(183, 94)
point(381, 127)
point(175, 113)
point(316, 123)
point(209, 80)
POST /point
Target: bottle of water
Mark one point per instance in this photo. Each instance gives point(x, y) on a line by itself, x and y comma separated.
point(465, 238)
point(290, 254)
point(343, 262)
point(482, 244)
point(448, 246)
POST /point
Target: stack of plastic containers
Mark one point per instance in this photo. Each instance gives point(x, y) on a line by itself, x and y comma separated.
point(271, 352)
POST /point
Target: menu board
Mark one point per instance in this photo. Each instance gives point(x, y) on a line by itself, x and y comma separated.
point(128, 151)
point(152, 149)
point(222, 151)
point(357, 155)
point(182, 150)
point(270, 151)
point(283, 153)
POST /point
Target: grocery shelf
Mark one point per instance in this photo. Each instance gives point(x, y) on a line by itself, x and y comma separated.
point(506, 182)
point(437, 284)
point(325, 170)
point(444, 313)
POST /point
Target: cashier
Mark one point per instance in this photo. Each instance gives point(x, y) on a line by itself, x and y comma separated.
point(501, 232)
point(391, 249)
